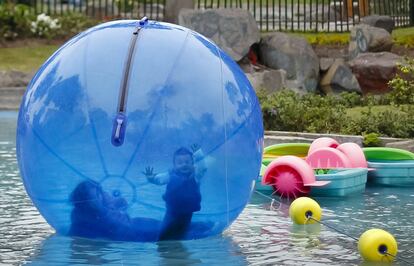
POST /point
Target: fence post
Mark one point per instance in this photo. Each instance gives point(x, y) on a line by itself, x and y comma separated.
point(412, 12)
point(173, 7)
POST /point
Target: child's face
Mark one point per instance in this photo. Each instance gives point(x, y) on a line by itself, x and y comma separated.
point(183, 164)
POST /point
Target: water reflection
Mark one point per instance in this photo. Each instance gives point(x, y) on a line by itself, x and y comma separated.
point(260, 236)
point(59, 250)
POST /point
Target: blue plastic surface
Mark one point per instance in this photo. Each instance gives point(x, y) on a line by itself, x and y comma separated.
point(392, 173)
point(192, 117)
point(343, 182)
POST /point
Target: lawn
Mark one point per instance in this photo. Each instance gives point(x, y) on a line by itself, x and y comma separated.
point(25, 59)
point(402, 36)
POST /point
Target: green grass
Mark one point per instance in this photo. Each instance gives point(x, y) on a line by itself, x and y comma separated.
point(323, 38)
point(25, 58)
point(402, 36)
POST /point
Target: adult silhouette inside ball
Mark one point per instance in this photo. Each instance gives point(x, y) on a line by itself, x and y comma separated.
point(107, 127)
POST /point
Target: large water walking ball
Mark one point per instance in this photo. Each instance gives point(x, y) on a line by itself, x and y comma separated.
point(139, 130)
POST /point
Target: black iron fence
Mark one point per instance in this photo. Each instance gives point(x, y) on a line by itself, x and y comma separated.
point(271, 15)
point(316, 15)
point(101, 9)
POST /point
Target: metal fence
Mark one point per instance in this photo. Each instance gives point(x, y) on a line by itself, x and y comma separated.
point(102, 9)
point(316, 15)
point(271, 15)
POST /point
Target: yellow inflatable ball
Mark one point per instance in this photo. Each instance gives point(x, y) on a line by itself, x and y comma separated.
point(302, 208)
point(375, 245)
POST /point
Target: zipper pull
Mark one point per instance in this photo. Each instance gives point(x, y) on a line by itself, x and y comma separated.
point(141, 23)
point(118, 130)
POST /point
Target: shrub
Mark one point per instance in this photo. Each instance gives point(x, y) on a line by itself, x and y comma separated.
point(351, 99)
point(372, 140)
point(14, 21)
point(45, 27)
point(17, 22)
point(72, 23)
point(403, 84)
point(288, 111)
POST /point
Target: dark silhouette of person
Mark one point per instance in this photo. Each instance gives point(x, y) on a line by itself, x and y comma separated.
point(97, 214)
point(182, 194)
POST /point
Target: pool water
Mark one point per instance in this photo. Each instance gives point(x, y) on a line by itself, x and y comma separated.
point(262, 235)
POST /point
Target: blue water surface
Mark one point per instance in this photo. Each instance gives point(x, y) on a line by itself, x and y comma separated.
point(262, 234)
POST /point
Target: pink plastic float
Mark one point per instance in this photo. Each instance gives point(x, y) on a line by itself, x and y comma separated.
point(328, 158)
point(290, 177)
point(323, 143)
point(354, 153)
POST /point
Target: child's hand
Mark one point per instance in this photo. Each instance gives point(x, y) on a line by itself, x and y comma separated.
point(195, 147)
point(149, 172)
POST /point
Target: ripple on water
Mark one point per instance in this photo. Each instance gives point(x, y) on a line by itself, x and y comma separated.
point(260, 236)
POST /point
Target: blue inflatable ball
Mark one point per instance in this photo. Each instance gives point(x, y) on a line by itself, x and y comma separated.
point(139, 131)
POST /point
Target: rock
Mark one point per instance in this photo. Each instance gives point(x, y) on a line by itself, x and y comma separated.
point(405, 145)
point(384, 22)
point(294, 55)
point(331, 51)
point(173, 7)
point(14, 78)
point(339, 78)
point(233, 30)
point(246, 65)
point(325, 63)
point(365, 38)
point(374, 70)
point(269, 80)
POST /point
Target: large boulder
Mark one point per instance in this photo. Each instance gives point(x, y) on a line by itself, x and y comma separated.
point(233, 30)
point(384, 22)
point(365, 38)
point(339, 78)
point(270, 80)
point(374, 70)
point(294, 55)
point(325, 63)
